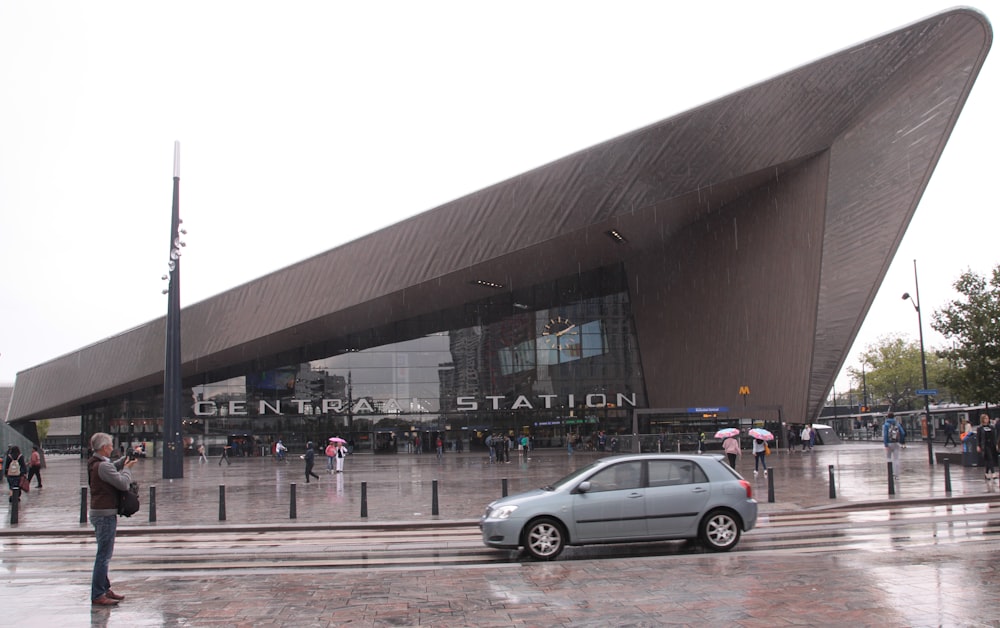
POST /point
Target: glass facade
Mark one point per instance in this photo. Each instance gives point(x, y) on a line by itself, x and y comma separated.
point(551, 362)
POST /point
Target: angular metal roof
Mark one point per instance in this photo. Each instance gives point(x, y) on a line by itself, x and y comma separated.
point(867, 125)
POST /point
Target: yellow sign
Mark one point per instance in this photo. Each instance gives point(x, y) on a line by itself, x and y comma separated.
point(744, 390)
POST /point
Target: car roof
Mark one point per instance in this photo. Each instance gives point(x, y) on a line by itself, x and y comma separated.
point(659, 456)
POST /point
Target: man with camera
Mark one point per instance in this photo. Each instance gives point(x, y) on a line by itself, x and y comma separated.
point(106, 478)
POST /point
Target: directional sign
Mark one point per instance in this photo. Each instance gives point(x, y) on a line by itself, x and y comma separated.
point(929, 391)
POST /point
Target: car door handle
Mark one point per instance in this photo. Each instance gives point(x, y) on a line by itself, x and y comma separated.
point(634, 495)
point(698, 489)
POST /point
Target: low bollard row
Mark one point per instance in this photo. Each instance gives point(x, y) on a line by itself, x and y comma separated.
point(435, 508)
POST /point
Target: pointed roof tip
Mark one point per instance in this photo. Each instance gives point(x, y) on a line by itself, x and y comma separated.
point(177, 159)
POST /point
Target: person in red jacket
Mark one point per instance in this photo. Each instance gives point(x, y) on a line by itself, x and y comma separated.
point(106, 479)
point(35, 466)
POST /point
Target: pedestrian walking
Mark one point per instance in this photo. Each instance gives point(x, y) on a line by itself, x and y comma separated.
point(202, 458)
point(341, 453)
point(986, 443)
point(949, 433)
point(439, 444)
point(280, 452)
point(225, 455)
point(488, 441)
point(35, 466)
point(106, 479)
point(701, 442)
point(331, 453)
point(806, 437)
point(310, 458)
point(759, 453)
point(731, 447)
point(893, 438)
point(13, 467)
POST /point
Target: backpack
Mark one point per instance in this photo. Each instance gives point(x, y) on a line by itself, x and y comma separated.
point(489, 441)
point(894, 433)
point(14, 468)
point(128, 501)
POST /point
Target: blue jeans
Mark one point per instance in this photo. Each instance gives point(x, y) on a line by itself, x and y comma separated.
point(760, 460)
point(105, 527)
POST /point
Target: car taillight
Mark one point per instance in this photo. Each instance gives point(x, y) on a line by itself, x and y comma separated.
point(748, 488)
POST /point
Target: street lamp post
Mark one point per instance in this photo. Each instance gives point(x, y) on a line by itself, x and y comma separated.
point(173, 446)
point(923, 365)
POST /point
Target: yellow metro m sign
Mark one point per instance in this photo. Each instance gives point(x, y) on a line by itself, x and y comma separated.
point(744, 390)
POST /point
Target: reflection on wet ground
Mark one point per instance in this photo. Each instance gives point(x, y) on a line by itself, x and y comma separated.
point(862, 558)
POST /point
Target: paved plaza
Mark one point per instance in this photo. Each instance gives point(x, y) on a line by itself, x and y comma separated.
point(401, 487)
point(748, 588)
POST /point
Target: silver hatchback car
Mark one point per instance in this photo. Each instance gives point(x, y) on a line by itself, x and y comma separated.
point(623, 499)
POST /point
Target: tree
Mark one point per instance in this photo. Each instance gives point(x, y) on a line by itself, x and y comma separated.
point(893, 372)
point(43, 429)
point(973, 324)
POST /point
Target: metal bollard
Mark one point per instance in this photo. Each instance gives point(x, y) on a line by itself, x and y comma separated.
point(222, 502)
point(892, 483)
point(83, 504)
point(15, 502)
point(833, 486)
point(292, 513)
point(770, 486)
point(947, 476)
point(434, 497)
point(364, 499)
point(503, 487)
point(152, 503)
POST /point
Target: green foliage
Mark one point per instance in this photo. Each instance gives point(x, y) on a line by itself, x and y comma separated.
point(43, 428)
point(973, 324)
point(893, 373)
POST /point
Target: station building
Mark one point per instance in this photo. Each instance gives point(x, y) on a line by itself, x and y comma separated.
point(711, 268)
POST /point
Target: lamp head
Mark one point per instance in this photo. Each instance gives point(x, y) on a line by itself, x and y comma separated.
point(906, 295)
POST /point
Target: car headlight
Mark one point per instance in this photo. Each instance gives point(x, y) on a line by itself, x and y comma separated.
point(502, 512)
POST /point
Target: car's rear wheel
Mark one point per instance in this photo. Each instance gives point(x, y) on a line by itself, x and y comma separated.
point(720, 530)
point(544, 538)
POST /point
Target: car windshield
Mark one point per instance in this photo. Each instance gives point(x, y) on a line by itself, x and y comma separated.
point(572, 477)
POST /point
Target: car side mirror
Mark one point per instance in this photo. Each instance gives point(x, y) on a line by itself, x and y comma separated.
point(584, 487)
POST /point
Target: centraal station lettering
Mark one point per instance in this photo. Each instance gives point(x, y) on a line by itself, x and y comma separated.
point(391, 406)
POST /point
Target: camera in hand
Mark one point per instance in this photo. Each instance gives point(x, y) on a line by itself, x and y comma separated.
point(131, 454)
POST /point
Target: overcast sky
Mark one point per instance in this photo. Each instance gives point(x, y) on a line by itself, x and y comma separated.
point(305, 125)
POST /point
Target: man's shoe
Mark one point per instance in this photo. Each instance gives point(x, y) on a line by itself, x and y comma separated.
point(104, 600)
point(114, 596)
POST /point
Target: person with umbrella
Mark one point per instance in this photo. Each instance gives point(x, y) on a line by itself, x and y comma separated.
point(760, 448)
point(340, 452)
point(731, 446)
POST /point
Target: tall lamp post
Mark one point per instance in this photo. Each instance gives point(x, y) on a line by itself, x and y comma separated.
point(173, 445)
point(923, 366)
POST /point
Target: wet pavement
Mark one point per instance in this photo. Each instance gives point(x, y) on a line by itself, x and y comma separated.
point(918, 585)
point(257, 491)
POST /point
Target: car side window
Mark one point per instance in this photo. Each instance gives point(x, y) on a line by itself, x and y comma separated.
point(675, 472)
point(622, 476)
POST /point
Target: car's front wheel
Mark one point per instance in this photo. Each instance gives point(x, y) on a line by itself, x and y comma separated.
point(544, 538)
point(720, 531)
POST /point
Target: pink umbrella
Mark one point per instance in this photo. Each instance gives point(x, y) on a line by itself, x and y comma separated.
point(761, 433)
point(337, 439)
point(726, 432)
